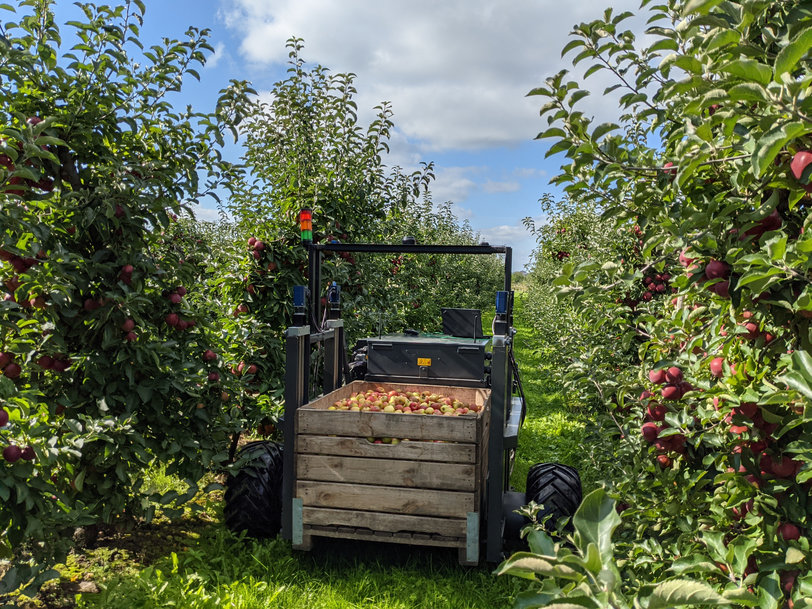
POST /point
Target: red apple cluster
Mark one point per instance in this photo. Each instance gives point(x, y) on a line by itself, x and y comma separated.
point(9, 367)
point(57, 362)
point(561, 255)
point(405, 402)
point(242, 368)
point(18, 263)
point(257, 246)
point(655, 284)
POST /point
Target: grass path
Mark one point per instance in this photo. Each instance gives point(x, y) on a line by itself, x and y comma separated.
point(552, 431)
point(208, 567)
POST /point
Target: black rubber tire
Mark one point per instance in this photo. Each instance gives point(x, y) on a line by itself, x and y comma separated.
point(253, 498)
point(555, 486)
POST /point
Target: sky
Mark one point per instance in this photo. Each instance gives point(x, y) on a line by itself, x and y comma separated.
point(455, 71)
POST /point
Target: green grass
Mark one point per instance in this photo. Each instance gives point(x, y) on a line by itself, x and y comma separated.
point(552, 431)
point(224, 571)
point(197, 563)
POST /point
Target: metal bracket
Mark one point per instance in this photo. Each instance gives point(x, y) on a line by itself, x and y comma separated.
point(298, 526)
point(472, 538)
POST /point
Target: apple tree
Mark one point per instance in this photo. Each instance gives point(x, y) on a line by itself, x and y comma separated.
point(102, 344)
point(710, 162)
point(305, 146)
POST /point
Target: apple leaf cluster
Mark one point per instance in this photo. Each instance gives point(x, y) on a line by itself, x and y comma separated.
point(104, 371)
point(582, 571)
point(708, 166)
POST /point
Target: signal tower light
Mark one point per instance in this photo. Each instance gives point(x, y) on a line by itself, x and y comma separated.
point(306, 225)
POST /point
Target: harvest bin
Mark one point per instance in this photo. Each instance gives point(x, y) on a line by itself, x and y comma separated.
point(428, 489)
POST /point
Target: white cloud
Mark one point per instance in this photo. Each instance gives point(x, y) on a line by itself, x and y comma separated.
point(529, 172)
point(217, 56)
point(206, 213)
point(505, 233)
point(456, 72)
point(454, 183)
point(496, 187)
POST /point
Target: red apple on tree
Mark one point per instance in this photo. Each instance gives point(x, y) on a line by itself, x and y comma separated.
point(12, 453)
point(664, 461)
point(717, 367)
point(789, 531)
point(657, 376)
point(3, 417)
point(656, 412)
point(671, 392)
point(650, 431)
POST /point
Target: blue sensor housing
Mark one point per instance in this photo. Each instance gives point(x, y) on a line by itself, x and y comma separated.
point(299, 296)
point(501, 302)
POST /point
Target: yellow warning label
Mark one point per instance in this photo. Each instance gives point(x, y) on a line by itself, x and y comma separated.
point(424, 361)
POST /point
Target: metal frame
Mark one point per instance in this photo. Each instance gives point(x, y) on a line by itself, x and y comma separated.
point(315, 255)
point(299, 340)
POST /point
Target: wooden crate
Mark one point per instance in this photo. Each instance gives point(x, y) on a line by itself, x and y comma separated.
point(428, 489)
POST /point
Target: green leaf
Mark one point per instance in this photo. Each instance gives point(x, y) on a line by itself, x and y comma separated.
point(684, 592)
point(572, 44)
point(741, 596)
point(722, 38)
point(777, 247)
point(771, 143)
point(540, 542)
point(770, 594)
point(690, 64)
point(701, 7)
point(748, 91)
point(595, 521)
point(749, 69)
point(533, 600)
point(790, 55)
point(797, 382)
point(794, 556)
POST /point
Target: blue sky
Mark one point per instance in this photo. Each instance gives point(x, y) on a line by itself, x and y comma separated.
point(456, 73)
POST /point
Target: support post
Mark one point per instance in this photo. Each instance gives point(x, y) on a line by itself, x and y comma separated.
point(297, 372)
point(497, 482)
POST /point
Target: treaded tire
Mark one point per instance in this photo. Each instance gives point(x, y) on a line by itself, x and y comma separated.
point(555, 486)
point(253, 499)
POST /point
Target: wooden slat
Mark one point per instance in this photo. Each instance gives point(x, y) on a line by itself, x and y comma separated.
point(482, 465)
point(446, 452)
point(408, 474)
point(383, 424)
point(415, 501)
point(403, 538)
point(378, 521)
